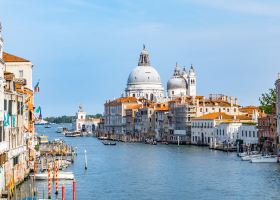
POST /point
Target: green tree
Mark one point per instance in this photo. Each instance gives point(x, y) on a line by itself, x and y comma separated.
point(267, 101)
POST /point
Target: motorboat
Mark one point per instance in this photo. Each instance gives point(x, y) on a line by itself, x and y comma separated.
point(103, 138)
point(109, 143)
point(249, 157)
point(264, 159)
point(47, 126)
point(60, 175)
point(72, 134)
point(247, 153)
point(59, 130)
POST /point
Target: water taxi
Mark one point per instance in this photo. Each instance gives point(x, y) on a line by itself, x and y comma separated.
point(43, 139)
point(72, 134)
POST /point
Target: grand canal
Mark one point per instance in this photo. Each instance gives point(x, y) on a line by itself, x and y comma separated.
point(140, 171)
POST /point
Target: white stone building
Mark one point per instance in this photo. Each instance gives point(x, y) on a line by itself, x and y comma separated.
point(248, 133)
point(230, 132)
point(83, 123)
point(144, 81)
point(182, 83)
point(20, 67)
point(221, 127)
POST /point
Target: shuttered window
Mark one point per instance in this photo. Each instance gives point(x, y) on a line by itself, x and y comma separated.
point(5, 104)
point(10, 108)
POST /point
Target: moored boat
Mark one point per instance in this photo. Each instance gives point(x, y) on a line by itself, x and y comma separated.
point(109, 143)
point(249, 157)
point(60, 175)
point(264, 159)
point(102, 138)
point(72, 134)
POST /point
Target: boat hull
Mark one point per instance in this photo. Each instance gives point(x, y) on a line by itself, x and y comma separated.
point(60, 176)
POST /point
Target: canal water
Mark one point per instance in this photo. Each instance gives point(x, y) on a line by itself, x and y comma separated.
point(144, 172)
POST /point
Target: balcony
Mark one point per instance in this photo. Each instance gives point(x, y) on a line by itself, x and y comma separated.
point(21, 81)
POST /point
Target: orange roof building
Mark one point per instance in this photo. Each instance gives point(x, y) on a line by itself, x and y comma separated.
point(12, 58)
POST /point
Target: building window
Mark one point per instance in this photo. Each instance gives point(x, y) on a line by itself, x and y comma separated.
point(5, 104)
point(20, 73)
point(15, 160)
point(10, 108)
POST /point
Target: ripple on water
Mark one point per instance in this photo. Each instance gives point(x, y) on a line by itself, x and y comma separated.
point(139, 171)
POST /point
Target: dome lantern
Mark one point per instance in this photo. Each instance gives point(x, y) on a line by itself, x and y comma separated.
point(144, 59)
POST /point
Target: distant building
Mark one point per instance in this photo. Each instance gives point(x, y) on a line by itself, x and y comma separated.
point(182, 83)
point(229, 133)
point(114, 114)
point(221, 127)
point(267, 132)
point(83, 123)
point(183, 109)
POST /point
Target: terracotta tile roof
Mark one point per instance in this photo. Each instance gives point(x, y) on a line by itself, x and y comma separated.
point(216, 115)
point(133, 106)
point(162, 109)
point(223, 116)
point(249, 109)
point(12, 58)
point(122, 100)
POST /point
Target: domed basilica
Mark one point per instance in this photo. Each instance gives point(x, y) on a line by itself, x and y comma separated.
point(182, 83)
point(144, 81)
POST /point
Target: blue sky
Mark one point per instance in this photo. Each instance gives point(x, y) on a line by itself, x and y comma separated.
point(84, 50)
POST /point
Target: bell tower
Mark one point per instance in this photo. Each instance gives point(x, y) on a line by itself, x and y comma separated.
point(81, 115)
point(192, 82)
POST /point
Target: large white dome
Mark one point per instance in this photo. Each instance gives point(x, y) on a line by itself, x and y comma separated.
point(144, 75)
point(144, 80)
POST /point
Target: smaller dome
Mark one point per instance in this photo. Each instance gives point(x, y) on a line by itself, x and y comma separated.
point(176, 83)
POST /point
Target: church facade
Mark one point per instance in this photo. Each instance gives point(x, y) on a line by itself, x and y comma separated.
point(182, 83)
point(144, 82)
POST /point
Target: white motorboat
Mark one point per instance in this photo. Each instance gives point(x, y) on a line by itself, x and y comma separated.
point(264, 159)
point(248, 153)
point(60, 175)
point(249, 157)
point(242, 154)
